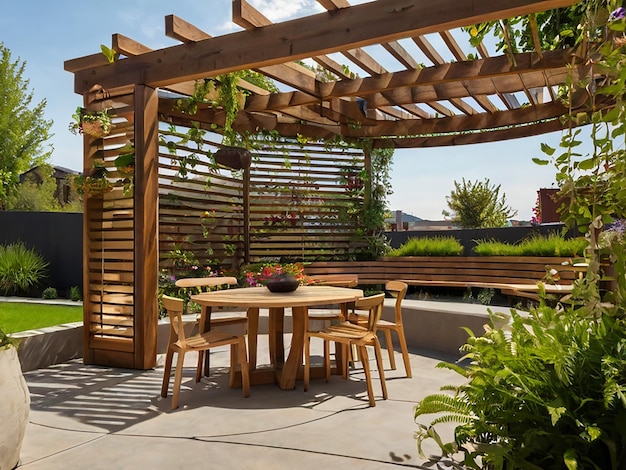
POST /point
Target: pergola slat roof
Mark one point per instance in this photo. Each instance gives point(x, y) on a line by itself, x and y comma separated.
point(442, 103)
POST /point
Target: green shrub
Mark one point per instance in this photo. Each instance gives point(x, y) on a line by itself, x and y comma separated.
point(6, 341)
point(547, 394)
point(535, 245)
point(49, 293)
point(75, 294)
point(429, 246)
point(20, 268)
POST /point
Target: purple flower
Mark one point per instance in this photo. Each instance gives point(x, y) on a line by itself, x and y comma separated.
point(618, 14)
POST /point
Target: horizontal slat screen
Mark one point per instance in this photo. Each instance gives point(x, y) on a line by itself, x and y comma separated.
point(300, 208)
point(109, 228)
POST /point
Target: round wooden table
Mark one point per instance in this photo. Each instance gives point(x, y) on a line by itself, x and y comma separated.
point(254, 298)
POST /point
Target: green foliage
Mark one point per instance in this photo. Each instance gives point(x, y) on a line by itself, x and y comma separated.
point(38, 192)
point(75, 294)
point(478, 205)
point(81, 116)
point(20, 268)
point(23, 128)
point(49, 293)
point(549, 389)
point(429, 246)
point(368, 193)
point(18, 316)
point(6, 341)
point(109, 53)
point(535, 245)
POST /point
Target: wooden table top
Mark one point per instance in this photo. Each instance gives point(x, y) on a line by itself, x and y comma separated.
point(303, 296)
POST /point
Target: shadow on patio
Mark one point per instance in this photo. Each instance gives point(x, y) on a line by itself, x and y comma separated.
point(102, 417)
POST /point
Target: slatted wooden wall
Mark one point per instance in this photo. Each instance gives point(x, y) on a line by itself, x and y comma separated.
point(120, 249)
point(109, 240)
point(303, 199)
point(299, 207)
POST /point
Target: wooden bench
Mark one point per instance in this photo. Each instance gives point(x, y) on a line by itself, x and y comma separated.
point(512, 275)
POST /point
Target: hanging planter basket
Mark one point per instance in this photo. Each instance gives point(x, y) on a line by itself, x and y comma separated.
point(94, 128)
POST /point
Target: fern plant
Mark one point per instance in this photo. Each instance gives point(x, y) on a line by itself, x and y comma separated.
point(547, 393)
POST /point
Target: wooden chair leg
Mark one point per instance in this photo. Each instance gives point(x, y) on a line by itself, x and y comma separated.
point(405, 352)
point(344, 350)
point(381, 369)
point(327, 359)
point(245, 369)
point(392, 359)
point(178, 378)
point(167, 371)
point(307, 361)
point(235, 362)
point(199, 368)
point(368, 375)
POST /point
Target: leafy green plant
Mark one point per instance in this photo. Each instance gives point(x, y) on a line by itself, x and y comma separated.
point(95, 123)
point(75, 294)
point(429, 246)
point(6, 341)
point(478, 204)
point(96, 183)
point(548, 391)
point(535, 245)
point(49, 293)
point(20, 268)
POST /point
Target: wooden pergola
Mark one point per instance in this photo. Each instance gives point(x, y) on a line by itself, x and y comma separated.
point(419, 105)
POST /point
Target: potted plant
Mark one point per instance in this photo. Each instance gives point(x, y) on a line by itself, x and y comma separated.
point(94, 184)
point(15, 403)
point(94, 123)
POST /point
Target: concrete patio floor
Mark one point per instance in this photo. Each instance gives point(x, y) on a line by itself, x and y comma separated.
point(101, 418)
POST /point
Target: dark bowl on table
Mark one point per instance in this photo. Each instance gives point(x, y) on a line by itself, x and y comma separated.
point(282, 284)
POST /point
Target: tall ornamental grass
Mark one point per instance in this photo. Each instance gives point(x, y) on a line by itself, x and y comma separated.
point(20, 269)
point(536, 245)
point(429, 246)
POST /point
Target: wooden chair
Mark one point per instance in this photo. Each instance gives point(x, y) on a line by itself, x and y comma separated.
point(337, 280)
point(203, 282)
point(181, 344)
point(398, 290)
point(346, 335)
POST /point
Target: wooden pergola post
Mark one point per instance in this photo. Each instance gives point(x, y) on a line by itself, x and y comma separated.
point(146, 226)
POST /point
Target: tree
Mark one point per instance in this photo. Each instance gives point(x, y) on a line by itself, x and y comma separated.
point(478, 205)
point(23, 128)
point(39, 192)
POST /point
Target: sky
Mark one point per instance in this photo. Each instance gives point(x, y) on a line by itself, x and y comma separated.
point(46, 34)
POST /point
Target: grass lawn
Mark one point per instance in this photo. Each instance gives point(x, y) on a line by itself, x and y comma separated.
point(15, 316)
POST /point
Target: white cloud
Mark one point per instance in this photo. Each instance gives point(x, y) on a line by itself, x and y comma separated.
point(282, 10)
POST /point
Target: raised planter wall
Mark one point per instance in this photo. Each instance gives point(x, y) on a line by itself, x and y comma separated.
point(450, 269)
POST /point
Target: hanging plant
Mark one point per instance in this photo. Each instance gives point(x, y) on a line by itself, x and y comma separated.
point(125, 165)
point(97, 124)
point(97, 183)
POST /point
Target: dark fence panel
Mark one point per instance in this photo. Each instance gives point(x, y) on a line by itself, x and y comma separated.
point(57, 236)
point(469, 237)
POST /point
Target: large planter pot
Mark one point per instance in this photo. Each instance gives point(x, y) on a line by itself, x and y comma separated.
point(14, 408)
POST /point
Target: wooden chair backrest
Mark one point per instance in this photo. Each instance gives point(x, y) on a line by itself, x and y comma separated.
point(398, 290)
point(174, 308)
point(206, 281)
point(340, 280)
point(374, 304)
